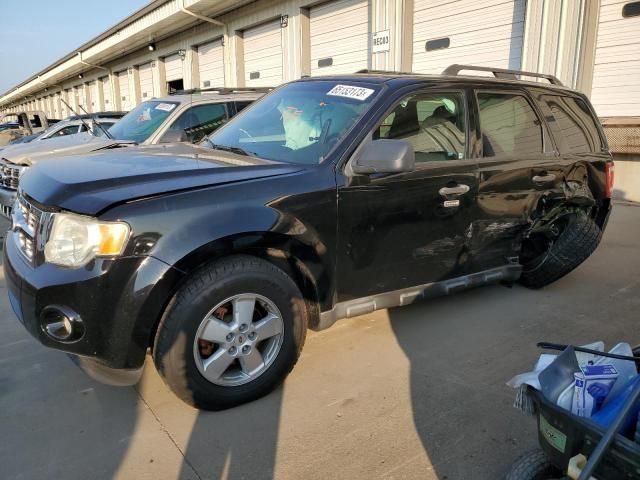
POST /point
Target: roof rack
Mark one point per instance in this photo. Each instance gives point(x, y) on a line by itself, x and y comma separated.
point(224, 90)
point(387, 72)
point(501, 73)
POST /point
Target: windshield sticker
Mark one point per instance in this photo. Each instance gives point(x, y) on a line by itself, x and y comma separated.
point(357, 93)
point(167, 107)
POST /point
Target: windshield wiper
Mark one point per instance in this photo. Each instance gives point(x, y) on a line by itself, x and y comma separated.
point(227, 148)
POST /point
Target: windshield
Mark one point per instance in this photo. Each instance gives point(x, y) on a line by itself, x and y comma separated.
point(298, 123)
point(142, 121)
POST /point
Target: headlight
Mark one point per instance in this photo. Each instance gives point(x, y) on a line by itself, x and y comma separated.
point(75, 240)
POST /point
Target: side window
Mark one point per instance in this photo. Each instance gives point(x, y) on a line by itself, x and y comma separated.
point(509, 125)
point(68, 130)
point(575, 123)
point(196, 123)
point(99, 132)
point(241, 106)
point(434, 123)
point(36, 122)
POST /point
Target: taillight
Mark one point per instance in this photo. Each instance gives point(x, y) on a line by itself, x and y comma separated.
point(609, 173)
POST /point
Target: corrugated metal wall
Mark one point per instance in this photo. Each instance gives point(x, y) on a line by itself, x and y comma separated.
point(270, 41)
point(616, 77)
point(480, 32)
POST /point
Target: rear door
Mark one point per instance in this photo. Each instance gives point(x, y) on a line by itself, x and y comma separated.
point(518, 164)
point(408, 229)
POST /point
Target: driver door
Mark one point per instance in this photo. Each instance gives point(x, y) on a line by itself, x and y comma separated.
point(406, 229)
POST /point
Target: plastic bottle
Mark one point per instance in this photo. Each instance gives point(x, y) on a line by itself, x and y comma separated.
point(609, 411)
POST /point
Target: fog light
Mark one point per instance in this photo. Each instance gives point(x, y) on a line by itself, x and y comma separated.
point(61, 323)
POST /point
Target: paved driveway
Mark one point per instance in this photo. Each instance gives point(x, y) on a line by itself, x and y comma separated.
point(415, 392)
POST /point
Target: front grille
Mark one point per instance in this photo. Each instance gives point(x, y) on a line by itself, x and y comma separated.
point(10, 174)
point(26, 220)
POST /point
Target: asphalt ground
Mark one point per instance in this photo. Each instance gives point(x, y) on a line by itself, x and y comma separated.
point(410, 393)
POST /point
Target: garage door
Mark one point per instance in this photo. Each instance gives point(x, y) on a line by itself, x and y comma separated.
point(263, 55)
point(146, 81)
point(55, 100)
point(173, 67)
point(106, 94)
point(67, 96)
point(81, 100)
point(616, 76)
point(211, 64)
point(477, 32)
point(339, 37)
point(123, 86)
point(93, 104)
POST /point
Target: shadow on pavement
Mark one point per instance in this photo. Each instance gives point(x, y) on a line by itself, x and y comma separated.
point(239, 443)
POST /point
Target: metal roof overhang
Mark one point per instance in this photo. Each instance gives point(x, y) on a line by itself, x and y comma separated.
point(157, 20)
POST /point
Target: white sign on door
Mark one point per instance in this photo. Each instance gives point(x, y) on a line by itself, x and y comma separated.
point(381, 41)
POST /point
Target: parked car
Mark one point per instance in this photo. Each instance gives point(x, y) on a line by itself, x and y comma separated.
point(74, 125)
point(29, 122)
point(176, 118)
point(329, 198)
point(9, 126)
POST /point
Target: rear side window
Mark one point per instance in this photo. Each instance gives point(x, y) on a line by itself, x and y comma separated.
point(510, 127)
point(574, 123)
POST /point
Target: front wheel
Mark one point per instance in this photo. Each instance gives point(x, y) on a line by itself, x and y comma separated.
point(231, 334)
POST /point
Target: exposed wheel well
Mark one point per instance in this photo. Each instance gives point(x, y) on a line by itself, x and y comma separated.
point(292, 266)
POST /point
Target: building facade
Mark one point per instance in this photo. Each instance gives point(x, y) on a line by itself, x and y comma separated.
point(591, 45)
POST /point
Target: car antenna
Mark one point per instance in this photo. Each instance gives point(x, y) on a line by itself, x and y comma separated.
point(99, 125)
point(79, 116)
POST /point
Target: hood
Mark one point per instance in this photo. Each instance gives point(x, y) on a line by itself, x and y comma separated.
point(91, 183)
point(33, 152)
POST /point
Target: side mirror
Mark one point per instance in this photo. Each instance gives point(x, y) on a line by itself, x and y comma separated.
point(385, 156)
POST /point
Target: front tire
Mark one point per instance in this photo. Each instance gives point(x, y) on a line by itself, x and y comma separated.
point(231, 334)
point(548, 257)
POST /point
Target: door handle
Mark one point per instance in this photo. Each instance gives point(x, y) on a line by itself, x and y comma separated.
point(550, 177)
point(457, 190)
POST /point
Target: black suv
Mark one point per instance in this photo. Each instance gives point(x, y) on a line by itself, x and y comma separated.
point(329, 198)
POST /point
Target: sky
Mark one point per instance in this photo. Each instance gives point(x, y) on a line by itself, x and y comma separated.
point(36, 33)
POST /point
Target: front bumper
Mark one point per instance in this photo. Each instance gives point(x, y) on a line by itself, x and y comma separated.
point(118, 302)
point(7, 200)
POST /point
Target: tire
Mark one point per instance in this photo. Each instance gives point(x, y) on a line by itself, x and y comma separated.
point(578, 238)
point(181, 360)
point(534, 465)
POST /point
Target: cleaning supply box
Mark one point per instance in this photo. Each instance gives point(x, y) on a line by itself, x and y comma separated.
point(592, 385)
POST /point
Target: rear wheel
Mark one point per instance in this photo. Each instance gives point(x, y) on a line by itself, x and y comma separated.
point(534, 465)
point(556, 250)
point(231, 334)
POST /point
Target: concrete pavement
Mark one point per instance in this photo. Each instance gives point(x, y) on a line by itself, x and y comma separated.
point(413, 392)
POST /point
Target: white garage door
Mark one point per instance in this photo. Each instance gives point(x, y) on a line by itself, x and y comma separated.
point(106, 94)
point(125, 96)
point(56, 105)
point(146, 81)
point(476, 32)
point(81, 100)
point(263, 55)
point(211, 64)
point(173, 67)
point(339, 37)
point(93, 101)
point(616, 76)
point(67, 96)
